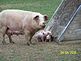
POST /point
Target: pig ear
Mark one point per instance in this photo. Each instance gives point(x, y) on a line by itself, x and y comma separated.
point(45, 17)
point(36, 17)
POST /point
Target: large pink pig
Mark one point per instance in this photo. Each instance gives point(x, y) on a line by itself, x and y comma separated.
point(20, 22)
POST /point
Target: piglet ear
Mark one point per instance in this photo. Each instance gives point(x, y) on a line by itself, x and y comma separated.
point(45, 17)
point(36, 17)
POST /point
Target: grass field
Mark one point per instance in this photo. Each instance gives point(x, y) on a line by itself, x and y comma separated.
point(42, 6)
point(68, 51)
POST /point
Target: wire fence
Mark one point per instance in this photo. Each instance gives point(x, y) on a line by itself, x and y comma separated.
point(61, 17)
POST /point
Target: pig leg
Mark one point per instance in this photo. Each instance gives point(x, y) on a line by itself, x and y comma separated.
point(27, 37)
point(30, 39)
point(10, 39)
point(4, 42)
point(9, 36)
point(3, 32)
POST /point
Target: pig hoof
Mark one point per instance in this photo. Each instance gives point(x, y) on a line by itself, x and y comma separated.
point(3, 42)
point(12, 42)
point(28, 44)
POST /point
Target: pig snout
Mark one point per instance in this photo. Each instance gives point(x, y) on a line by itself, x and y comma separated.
point(43, 25)
point(49, 38)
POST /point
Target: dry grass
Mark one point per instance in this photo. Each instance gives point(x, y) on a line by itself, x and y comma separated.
point(40, 51)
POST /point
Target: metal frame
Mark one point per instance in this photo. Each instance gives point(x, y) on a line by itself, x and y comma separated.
point(50, 22)
point(68, 24)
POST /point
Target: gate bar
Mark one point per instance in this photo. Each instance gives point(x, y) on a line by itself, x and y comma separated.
point(62, 33)
point(50, 22)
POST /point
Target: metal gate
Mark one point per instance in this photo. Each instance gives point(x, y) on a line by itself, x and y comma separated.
point(67, 12)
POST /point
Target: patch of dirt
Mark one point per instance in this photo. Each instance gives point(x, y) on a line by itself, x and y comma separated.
point(48, 51)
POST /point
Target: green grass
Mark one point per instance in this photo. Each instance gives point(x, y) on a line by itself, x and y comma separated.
point(39, 52)
point(42, 52)
point(42, 6)
point(2, 58)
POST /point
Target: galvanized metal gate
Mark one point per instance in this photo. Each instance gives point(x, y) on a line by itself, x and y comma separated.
point(59, 26)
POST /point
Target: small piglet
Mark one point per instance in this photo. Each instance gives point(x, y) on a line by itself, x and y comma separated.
point(49, 37)
point(44, 36)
